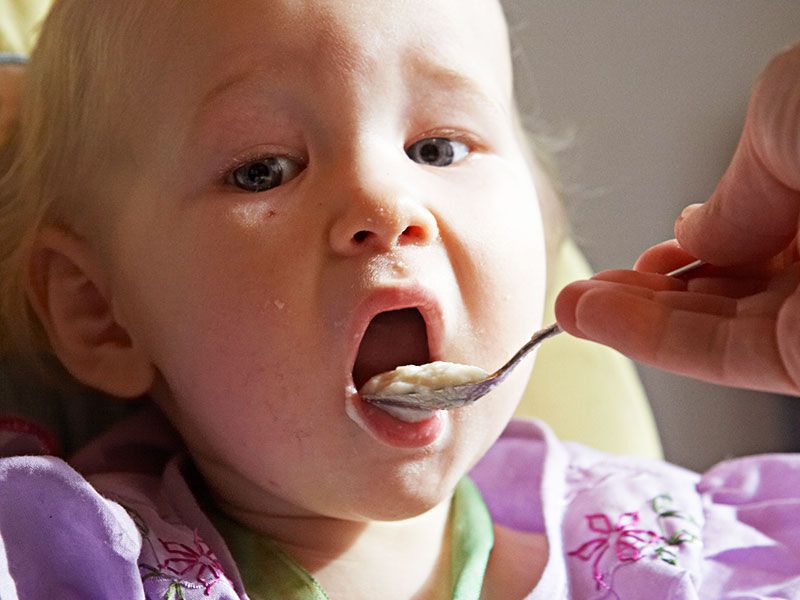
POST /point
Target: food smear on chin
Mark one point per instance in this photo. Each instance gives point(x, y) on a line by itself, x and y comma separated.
point(410, 379)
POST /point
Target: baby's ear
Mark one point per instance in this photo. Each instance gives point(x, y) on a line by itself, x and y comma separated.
point(68, 291)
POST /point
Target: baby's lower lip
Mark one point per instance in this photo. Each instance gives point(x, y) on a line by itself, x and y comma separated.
point(393, 431)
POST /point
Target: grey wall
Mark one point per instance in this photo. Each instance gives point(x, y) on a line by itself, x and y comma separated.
point(652, 94)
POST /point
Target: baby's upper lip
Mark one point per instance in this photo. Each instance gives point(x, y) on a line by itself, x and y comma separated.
point(395, 297)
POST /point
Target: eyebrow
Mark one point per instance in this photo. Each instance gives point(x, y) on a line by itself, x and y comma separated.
point(243, 78)
point(454, 79)
point(231, 81)
point(445, 78)
point(234, 80)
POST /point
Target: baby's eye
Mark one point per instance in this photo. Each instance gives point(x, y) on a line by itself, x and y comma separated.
point(437, 152)
point(264, 174)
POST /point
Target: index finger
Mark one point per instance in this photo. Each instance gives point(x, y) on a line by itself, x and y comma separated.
point(697, 335)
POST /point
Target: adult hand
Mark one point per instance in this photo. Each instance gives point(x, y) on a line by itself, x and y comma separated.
point(10, 90)
point(738, 322)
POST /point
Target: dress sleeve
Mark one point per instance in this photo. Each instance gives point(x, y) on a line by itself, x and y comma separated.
point(59, 538)
point(751, 534)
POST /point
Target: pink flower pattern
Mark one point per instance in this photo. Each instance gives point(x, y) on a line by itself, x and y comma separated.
point(185, 566)
point(197, 561)
point(632, 543)
point(627, 540)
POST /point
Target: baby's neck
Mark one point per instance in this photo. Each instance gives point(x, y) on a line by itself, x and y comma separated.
point(357, 560)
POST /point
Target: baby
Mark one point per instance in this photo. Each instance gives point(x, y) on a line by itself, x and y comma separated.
point(244, 216)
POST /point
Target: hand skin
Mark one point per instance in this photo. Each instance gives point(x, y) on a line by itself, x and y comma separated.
point(736, 323)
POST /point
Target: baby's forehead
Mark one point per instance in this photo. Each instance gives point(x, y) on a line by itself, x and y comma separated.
point(337, 51)
point(339, 34)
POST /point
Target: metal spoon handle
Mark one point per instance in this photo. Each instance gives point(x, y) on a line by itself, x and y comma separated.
point(554, 330)
point(535, 340)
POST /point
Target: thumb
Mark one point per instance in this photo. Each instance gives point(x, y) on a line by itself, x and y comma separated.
point(753, 213)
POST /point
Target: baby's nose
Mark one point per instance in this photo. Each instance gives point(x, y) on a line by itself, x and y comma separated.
point(379, 221)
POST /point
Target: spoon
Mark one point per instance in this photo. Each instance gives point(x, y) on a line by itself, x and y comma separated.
point(454, 396)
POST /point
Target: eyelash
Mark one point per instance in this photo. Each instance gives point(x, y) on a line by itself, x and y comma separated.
point(467, 139)
point(252, 156)
point(470, 140)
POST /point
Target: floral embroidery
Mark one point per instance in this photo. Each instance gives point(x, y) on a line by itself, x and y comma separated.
point(197, 560)
point(628, 542)
point(183, 566)
point(667, 549)
point(631, 543)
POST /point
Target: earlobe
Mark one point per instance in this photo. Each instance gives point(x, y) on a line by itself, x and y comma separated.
point(68, 292)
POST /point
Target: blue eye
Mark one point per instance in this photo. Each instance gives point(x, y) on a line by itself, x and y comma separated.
point(264, 174)
point(437, 152)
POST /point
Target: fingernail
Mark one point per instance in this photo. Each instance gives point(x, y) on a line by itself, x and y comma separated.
point(688, 211)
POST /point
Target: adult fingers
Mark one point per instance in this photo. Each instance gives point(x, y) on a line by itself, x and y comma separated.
point(753, 213)
point(689, 334)
point(663, 258)
point(705, 280)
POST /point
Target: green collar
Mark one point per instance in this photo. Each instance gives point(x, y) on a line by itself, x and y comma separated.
point(268, 572)
point(473, 539)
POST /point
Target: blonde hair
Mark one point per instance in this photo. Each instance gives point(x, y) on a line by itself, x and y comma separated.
point(69, 128)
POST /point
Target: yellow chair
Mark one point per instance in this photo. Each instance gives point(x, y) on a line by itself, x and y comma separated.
point(18, 22)
point(586, 392)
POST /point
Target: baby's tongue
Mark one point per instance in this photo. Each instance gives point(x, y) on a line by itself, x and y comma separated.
point(392, 339)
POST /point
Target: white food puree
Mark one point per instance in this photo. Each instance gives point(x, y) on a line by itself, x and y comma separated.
point(409, 379)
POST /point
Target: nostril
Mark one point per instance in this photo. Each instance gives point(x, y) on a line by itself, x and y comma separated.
point(414, 232)
point(410, 233)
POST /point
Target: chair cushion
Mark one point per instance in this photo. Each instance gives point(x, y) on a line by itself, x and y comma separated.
point(586, 392)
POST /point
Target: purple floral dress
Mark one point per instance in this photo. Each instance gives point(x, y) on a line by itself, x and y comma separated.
point(120, 522)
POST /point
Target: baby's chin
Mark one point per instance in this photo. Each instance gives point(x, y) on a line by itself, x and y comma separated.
point(404, 504)
point(413, 489)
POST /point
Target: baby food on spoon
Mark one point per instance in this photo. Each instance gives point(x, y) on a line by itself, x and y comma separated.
point(410, 379)
point(393, 360)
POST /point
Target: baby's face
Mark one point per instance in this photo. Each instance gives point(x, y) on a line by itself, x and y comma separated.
point(329, 189)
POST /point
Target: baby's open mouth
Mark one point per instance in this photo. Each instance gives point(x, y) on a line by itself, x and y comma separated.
point(392, 339)
point(395, 338)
